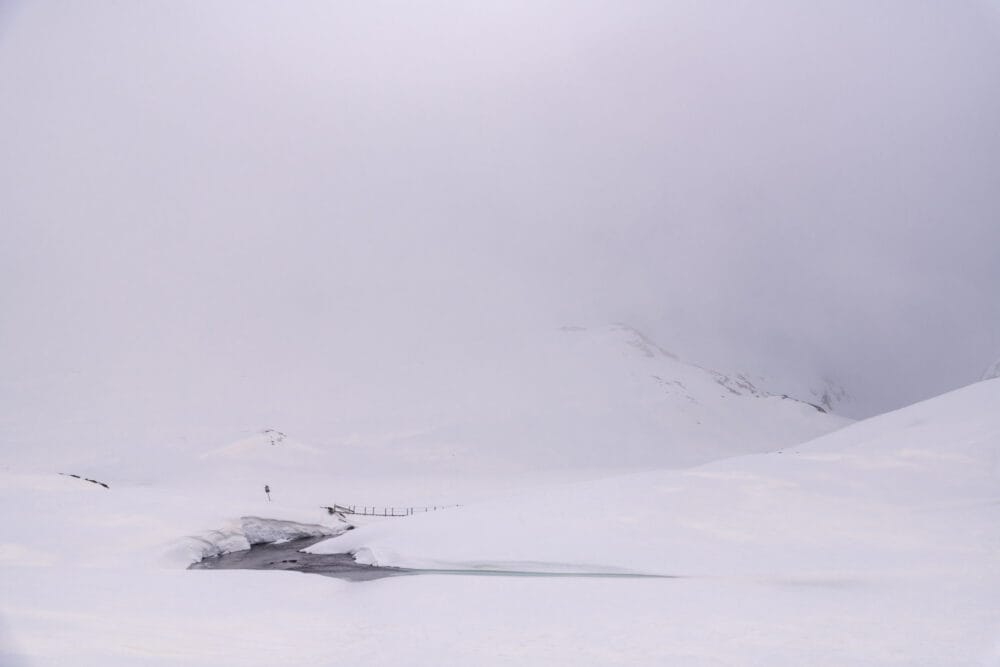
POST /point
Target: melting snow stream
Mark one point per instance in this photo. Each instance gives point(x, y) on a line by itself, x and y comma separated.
point(289, 556)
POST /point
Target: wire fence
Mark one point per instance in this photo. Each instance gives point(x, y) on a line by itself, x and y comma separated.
point(372, 510)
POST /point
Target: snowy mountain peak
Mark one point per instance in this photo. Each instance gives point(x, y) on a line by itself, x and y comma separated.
point(824, 395)
point(830, 394)
point(626, 334)
point(641, 342)
point(992, 372)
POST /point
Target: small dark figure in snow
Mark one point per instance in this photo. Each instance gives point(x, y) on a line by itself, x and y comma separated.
point(267, 492)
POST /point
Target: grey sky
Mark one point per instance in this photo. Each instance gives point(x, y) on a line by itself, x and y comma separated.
point(322, 190)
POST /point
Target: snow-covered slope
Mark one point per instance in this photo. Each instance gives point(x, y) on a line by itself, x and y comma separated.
point(824, 391)
point(918, 488)
point(993, 371)
point(600, 398)
point(604, 397)
point(877, 544)
point(897, 516)
point(566, 404)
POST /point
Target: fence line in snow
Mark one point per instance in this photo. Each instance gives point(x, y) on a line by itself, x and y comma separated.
point(372, 510)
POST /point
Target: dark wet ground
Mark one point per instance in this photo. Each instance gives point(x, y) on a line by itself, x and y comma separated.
point(287, 556)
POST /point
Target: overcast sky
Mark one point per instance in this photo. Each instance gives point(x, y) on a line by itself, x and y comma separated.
point(189, 190)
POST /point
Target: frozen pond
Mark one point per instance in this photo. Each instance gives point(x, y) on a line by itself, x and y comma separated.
point(288, 556)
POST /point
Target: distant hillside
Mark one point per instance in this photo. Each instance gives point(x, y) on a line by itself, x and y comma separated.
point(571, 398)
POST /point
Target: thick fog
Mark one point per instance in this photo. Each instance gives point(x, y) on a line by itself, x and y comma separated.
point(209, 205)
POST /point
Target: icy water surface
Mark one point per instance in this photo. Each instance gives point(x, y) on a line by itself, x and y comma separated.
point(288, 556)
